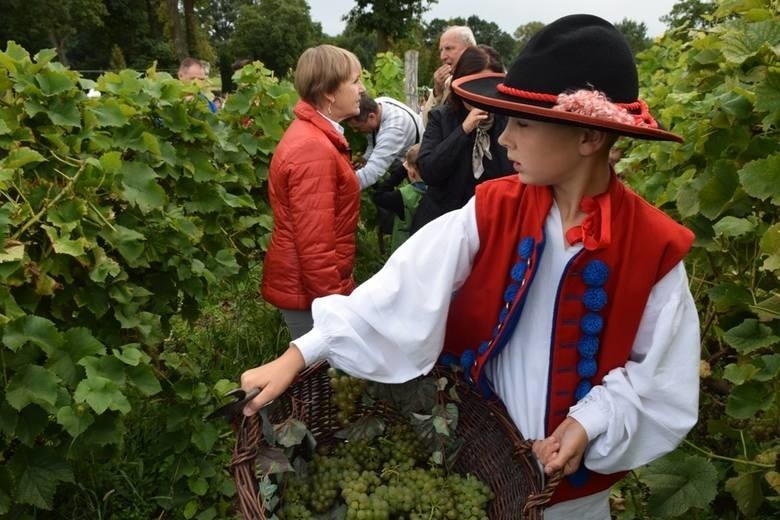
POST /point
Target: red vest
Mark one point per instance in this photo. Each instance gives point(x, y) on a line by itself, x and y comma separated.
point(629, 246)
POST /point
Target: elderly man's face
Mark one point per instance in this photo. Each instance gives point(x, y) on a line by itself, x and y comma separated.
point(193, 72)
point(451, 46)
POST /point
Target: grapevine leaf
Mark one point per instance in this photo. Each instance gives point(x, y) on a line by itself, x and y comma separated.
point(205, 436)
point(101, 394)
point(54, 81)
point(365, 428)
point(761, 178)
point(440, 425)
point(64, 113)
point(728, 296)
point(679, 482)
point(198, 485)
point(768, 92)
point(142, 377)
point(36, 330)
point(739, 374)
point(74, 420)
point(5, 490)
point(8, 419)
point(770, 245)
point(748, 399)
point(130, 354)
point(37, 472)
point(733, 227)
point(773, 479)
point(32, 384)
point(718, 191)
point(140, 186)
point(271, 459)
point(21, 157)
point(190, 509)
point(65, 246)
point(746, 490)
point(111, 162)
point(31, 424)
point(750, 335)
point(110, 113)
point(769, 367)
point(768, 309)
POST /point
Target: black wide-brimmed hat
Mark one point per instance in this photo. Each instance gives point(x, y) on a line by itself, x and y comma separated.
point(578, 70)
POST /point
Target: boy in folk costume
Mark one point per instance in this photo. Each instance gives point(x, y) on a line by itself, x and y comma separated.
point(558, 289)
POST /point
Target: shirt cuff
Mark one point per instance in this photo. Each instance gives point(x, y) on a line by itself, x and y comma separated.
point(313, 346)
point(592, 414)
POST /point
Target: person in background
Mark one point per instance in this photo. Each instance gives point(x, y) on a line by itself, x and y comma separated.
point(313, 190)
point(192, 70)
point(557, 290)
point(454, 40)
point(460, 147)
point(402, 203)
point(391, 128)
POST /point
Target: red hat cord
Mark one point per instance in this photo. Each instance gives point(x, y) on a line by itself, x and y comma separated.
point(590, 103)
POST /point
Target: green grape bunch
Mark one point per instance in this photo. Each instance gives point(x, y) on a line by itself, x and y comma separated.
point(347, 390)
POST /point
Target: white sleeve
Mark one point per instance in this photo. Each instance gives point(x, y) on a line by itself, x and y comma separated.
point(391, 328)
point(391, 142)
point(644, 409)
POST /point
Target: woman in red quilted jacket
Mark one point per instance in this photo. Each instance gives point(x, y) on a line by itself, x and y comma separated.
point(314, 192)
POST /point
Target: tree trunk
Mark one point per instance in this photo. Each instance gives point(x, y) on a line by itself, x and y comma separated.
point(59, 45)
point(382, 41)
point(189, 27)
point(177, 31)
point(410, 79)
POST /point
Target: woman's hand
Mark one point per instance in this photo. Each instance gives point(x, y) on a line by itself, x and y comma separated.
point(563, 449)
point(272, 379)
point(473, 119)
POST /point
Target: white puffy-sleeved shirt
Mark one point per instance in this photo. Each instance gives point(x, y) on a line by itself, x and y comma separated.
point(399, 128)
point(391, 329)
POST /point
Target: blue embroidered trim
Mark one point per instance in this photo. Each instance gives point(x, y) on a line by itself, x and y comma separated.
point(525, 249)
point(594, 299)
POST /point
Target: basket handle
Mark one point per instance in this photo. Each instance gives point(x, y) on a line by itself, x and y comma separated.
point(538, 500)
point(242, 465)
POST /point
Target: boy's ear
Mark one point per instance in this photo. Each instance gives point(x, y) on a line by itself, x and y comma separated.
point(592, 141)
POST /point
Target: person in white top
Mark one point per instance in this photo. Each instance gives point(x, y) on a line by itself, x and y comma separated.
point(391, 128)
point(558, 290)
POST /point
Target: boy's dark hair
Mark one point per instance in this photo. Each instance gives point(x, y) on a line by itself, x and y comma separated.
point(367, 107)
point(474, 60)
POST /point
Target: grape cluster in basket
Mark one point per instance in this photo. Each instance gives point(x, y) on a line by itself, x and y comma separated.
point(387, 477)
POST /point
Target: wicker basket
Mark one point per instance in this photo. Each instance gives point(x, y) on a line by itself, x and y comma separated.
point(493, 450)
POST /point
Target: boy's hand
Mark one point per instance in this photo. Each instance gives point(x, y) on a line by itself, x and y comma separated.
point(563, 449)
point(273, 378)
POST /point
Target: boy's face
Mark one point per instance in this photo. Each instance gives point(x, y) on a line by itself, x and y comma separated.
point(411, 172)
point(542, 154)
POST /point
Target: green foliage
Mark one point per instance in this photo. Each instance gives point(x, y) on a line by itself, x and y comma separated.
point(120, 213)
point(275, 32)
point(719, 88)
point(389, 19)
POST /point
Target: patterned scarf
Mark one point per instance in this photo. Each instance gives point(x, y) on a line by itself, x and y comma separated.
point(481, 147)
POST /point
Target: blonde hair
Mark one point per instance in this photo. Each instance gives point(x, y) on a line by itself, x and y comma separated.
point(321, 70)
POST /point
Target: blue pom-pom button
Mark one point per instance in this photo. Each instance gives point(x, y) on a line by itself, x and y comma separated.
point(591, 324)
point(594, 299)
point(595, 273)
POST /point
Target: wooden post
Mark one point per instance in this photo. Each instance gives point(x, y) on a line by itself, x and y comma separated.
point(410, 79)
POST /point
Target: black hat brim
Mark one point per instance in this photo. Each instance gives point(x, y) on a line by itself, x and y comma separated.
point(480, 90)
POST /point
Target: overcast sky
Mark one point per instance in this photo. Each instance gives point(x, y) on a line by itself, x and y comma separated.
point(510, 14)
